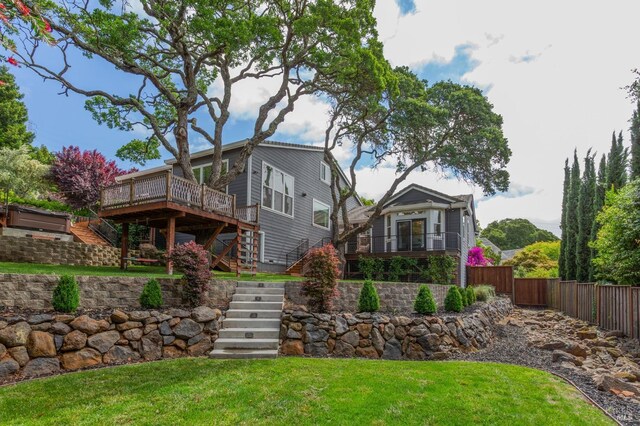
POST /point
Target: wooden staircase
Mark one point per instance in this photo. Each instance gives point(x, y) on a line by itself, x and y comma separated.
point(247, 249)
point(82, 233)
point(297, 268)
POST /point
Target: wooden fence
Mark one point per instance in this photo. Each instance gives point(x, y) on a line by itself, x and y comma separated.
point(531, 291)
point(501, 277)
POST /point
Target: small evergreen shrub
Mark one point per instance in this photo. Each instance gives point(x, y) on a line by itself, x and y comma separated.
point(425, 303)
point(463, 296)
point(193, 261)
point(471, 295)
point(400, 266)
point(66, 295)
point(151, 296)
point(484, 292)
point(453, 301)
point(322, 270)
point(368, 301)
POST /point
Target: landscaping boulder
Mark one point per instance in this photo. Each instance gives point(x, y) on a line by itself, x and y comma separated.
point(60, 328)
point(367, 352)
point(561, 356)
point(88, 325)
point(204, 314)
point(352, 338)
point(41, 344)
point(74, 341)
point(20, 354)
point(587, 333)
point(172, 352)
point(8, 367)
point(180, 313)
point(138, 315)
point(83, 358)
point(39, 318)
point(15, 335)
point(121, 355)
point(429, 342)
point(341, 326)
point(103, 341)
point(129, 325)
point(364, 329)
point(392, 349)
point(134, 334)
point(203, 347)
point(3, 350)
point(118, 317)
point(612, 384)
point(292, 347)
point(187, 328)
point(343, 349)
point(41, 367)
point(577, 350)
point(151, 346)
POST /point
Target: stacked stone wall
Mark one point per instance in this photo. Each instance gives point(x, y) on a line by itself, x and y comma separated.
point(390, 337)
point(43, 344)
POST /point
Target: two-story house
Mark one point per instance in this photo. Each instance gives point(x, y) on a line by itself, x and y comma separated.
point(417, 222)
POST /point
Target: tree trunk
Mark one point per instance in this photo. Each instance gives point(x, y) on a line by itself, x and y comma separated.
point(182, 141)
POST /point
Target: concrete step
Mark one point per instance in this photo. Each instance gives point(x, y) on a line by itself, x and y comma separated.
point(232, 343)
point(251, 323)
point(256, 284)
point(254, 313)
point(258, 298)
point(268, 306)
point(243, 353)
point(242, 333)
point(256, 290)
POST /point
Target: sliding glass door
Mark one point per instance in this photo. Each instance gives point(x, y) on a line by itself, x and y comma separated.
point(410, 234)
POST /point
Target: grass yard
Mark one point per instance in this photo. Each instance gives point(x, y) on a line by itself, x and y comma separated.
point(132, 271)
point(299, 391)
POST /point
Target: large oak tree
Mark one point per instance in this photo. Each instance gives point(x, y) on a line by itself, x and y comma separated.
point(174, 51)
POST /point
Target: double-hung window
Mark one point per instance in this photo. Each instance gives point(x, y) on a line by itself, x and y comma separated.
point(277, 190)
point(320, 214)
point(325, 173)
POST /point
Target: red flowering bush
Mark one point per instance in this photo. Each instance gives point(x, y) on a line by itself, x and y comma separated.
point(79, 175)
point(15, 13)
point(193, 261)
point(322, 269)
point(476, 257)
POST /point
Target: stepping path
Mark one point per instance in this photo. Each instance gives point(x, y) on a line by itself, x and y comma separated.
point(251, 328)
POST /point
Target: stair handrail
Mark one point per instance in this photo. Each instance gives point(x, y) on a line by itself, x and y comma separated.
point(320, 243)
point(297, 253)
point(103, 228)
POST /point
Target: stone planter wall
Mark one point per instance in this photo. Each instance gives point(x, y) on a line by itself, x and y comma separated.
point(43, 344)
point(390, 337)
point(29, 250)
point(394, 297)
point(35, 291)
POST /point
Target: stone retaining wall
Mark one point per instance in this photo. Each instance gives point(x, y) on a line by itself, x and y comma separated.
point(35, 291)
point(394, 297)
point(29, 250)
point(390, 337)
point(44, 344)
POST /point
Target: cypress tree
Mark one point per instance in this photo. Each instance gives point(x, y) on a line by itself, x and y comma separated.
point(617, 164)
point(562, 270)
point(572, 220)
point(585, 218)
point(598, 203)
point(635, 143)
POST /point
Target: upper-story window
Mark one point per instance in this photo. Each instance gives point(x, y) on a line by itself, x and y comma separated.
point(325, 173)
point(203, 173)
point(321, 213)
point(277, 190)
point(437, 224)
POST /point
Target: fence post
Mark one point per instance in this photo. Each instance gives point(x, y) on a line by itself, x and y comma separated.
point(597, 305)
point(630, 306)
point(169, 173)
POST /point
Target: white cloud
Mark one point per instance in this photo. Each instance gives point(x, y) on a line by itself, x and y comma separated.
point(554, 70)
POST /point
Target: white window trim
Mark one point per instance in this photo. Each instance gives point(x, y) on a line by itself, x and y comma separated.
point(324, 164)
point(293, 200)
point(201, 168)
point(313, 211)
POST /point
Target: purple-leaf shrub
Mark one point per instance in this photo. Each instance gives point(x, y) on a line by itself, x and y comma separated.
point(476, 257)
point(79, 175)
point(193, 261)
point(322, 269)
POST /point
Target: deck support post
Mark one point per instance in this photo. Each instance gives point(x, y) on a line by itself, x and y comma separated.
point(171, 239)
point(124, 246)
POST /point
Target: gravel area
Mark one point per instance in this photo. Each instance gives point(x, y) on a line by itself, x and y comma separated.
point(510, 346)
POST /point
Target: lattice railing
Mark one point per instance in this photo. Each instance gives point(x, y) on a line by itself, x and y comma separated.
point(218, 201)
point(185, 191)
point(248, 213)
point(150, 189)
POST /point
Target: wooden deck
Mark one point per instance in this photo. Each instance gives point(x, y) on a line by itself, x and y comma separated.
point(176, 204)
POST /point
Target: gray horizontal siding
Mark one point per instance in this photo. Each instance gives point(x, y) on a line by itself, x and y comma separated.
point(415, 196)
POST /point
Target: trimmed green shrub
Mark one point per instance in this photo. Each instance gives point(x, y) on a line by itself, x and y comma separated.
point(484, 292)
point(471, 295)
point(151, 296)
point(372, 268)
point(400, 266)
point(453, 301)
point(463, 296)
point(66, 295)
point(368, 301)
point(425, 303)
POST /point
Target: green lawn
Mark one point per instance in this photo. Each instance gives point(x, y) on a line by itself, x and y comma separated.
point(299, 391)
point(132, 271)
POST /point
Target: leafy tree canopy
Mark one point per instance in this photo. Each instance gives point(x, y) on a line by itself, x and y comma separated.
point(20, 173)
point(187, 57)
point(13, 114)
point(551, 249)
point(509, 234)
point(533, 263)
point(618, 241)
